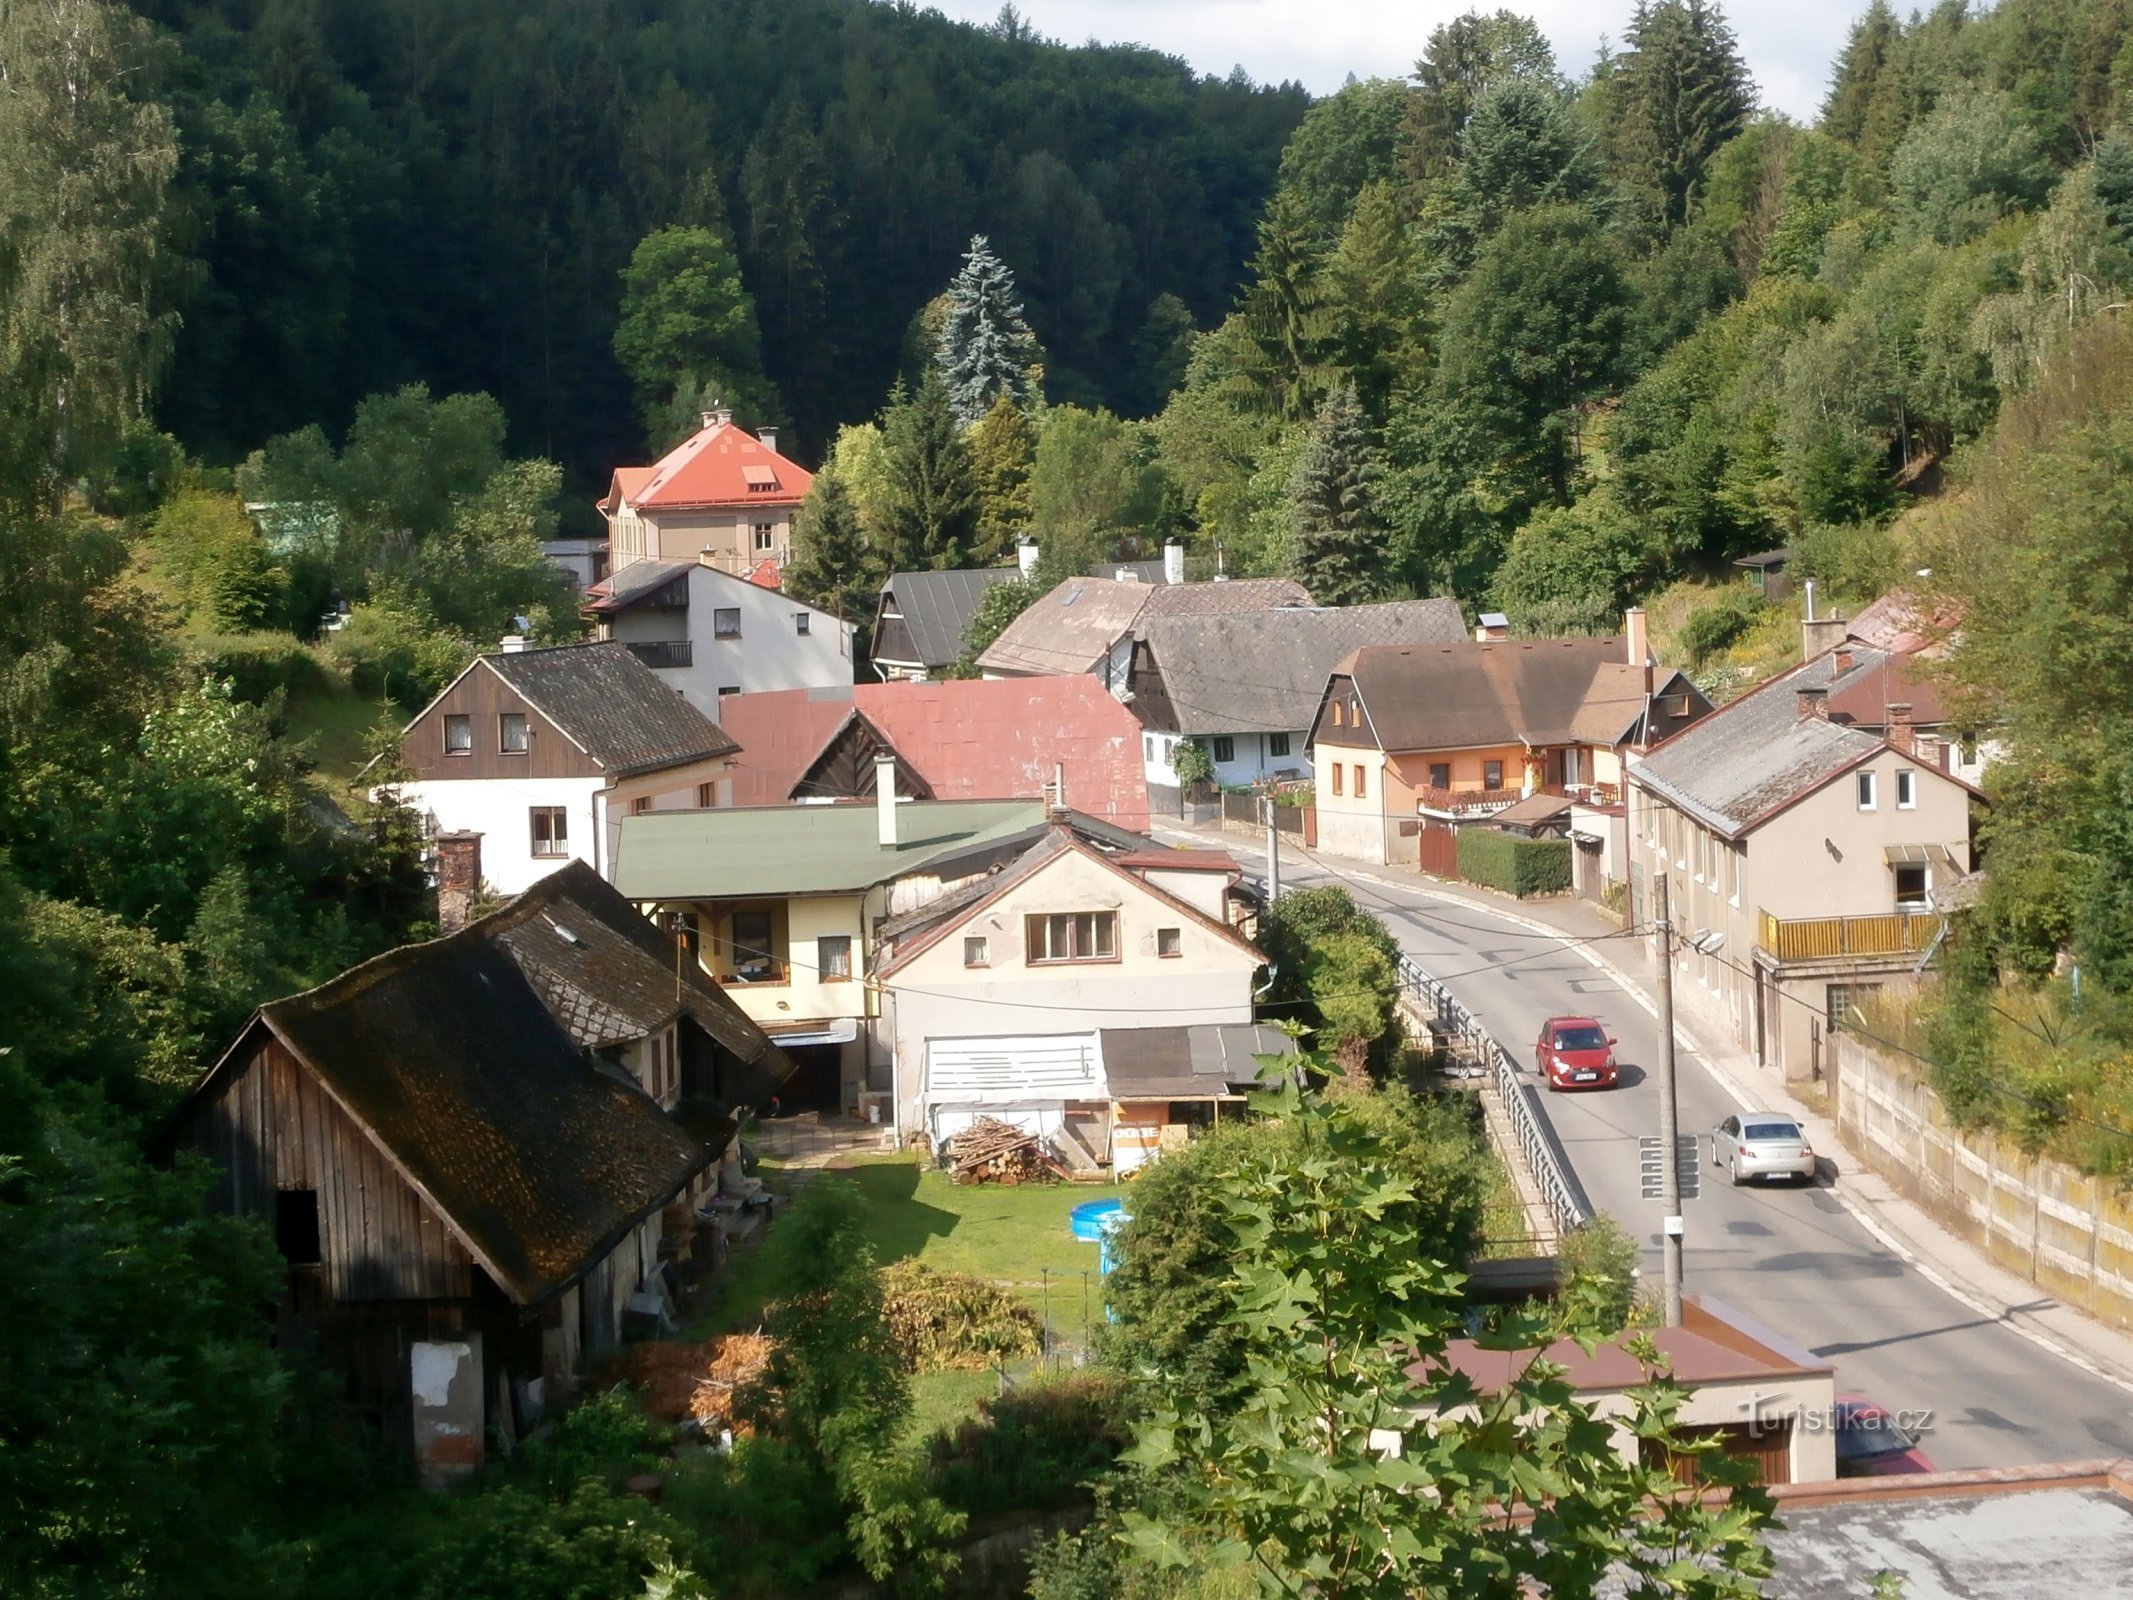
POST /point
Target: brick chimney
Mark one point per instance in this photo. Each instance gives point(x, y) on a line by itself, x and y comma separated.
point(1903, 733)
point(1813, 703)
point(1842, 660)
point(458, 878)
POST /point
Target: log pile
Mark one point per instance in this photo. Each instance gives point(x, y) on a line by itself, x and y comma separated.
point(992, 1151)
point(678, 1382)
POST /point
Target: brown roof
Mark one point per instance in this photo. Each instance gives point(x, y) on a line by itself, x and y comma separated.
point(1178, 860)
point(1073, 628)
point(1713, 1345)
point(1495, 692)
point(1906, 624)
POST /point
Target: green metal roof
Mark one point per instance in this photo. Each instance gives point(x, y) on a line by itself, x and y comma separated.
point(787, 850)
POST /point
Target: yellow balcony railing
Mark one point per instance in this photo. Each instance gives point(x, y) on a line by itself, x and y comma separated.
point(1895, 933)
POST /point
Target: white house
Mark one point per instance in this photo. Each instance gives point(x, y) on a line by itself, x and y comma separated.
point(706, 632)
point(543, 752)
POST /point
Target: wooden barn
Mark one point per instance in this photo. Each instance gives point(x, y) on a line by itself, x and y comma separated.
point(464, 1151)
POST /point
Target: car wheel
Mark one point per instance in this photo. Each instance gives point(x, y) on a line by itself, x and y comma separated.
point(1733, 1170)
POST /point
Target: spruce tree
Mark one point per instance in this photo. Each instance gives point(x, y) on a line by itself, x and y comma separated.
point(930, 513)
point(832, 567)
point(1002, 446)
point(1681, 91)
point(985, 349)
point(1874, 41)
point(1339, 546)
point(1286, 308)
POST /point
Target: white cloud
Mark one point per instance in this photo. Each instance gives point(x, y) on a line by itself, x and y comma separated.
point(1319, 43)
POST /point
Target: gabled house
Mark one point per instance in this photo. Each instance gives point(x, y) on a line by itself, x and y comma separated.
point(1092, 996)
point(723, 494)
point(461, 1150)
point(1246, 684)
point(542, 752)
point(1900, 695)
point(1091, 625)
point(1409, 743)
point(707, 633)
point(922, 618)
point(1806, 860)
point(964, 739)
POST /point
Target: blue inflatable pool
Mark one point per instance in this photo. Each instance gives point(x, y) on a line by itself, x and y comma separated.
point(1094, 1221)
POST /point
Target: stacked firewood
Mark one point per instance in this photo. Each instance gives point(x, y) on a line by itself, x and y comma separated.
point(992, 1151)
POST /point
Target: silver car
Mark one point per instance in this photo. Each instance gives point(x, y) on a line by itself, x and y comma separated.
point(1762, 1144)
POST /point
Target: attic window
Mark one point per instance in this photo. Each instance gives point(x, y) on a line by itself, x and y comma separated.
point(1336, 713)
point(759, 479)
point(296, 1230)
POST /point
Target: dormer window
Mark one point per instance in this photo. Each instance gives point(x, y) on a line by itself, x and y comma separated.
point(760, 480)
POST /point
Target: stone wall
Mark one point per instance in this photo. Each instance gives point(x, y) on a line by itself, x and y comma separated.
point(2071, 1236)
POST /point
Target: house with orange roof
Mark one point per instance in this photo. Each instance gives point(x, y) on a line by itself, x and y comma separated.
point(723, 495)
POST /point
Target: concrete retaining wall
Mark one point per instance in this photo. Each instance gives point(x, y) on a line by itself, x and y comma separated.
point(2071, 1236)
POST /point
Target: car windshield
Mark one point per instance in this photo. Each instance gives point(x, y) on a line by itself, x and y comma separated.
point(1771, 1130)
point(1861, 1434)
point(1580, 1039)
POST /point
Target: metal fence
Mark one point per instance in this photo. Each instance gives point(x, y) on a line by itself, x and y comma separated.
point(1550, 1165)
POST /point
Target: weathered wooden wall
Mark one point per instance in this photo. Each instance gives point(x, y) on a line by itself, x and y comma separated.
point(2070, 1235)
point(482, 696)
point(272, 1127)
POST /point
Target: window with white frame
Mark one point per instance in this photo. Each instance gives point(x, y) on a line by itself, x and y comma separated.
point(551, 830)
point(1733, 856)
point(1868, 789)
point(1906, 790)
point(833, 957)
point(763, 531)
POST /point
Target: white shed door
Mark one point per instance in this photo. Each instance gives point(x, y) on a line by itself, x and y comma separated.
point(1058, 1066)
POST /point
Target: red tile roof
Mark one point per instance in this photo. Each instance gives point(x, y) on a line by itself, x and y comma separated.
point(720, 465)
point(767, 574)
point(970, 739)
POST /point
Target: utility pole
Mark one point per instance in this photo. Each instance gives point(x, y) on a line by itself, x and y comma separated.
point(1273, 850)
point(1669, 1114)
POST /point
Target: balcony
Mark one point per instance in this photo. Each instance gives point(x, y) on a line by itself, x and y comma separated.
point(1465, 802)
point(664, 653)
point(1897, 933)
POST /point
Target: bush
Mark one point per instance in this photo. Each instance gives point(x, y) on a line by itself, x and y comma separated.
point(1710, 628)
point(952, 1322)
point(257, 664)
point(1036, 1447)
point(394, 646)
point(1516, 866)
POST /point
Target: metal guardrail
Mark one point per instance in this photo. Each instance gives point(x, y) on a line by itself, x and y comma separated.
point(1560, 1190)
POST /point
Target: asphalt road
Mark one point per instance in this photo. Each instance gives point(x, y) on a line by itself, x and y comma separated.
point(1794, 1259)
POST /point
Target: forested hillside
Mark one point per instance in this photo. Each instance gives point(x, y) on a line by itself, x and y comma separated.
point(377, 192)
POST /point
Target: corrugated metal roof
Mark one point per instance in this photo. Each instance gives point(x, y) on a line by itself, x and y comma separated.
point(797, 850)
point(612, 705)
point(1073, 627)
point(1750, 757)
point(1264, 671)
point(1193, 1063)
point(936, 608)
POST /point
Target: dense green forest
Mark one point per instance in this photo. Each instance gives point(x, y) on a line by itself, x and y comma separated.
point(410, 278)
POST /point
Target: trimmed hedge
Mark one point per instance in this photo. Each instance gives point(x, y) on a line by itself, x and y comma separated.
point(1516, 866)
point(257, 664)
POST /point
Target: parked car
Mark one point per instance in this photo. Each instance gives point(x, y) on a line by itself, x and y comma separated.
point(1873, 1444)
point(1575, 1053)
point(1762, 1144)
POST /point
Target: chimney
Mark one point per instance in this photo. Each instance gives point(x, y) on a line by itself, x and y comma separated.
point(458, 878)
point(885, 799)
point(1492, 625)
point(1842, 660)
point(767, 438)
point(717, 414)
point(512, 643)
point(1126, 575)
point(1059, 786)
point(1026, 558)
point(1903, 733)
point(707, 557)
point(1635, 638)
point(1819, 635)
point(1173, 561)
point(1813, 703)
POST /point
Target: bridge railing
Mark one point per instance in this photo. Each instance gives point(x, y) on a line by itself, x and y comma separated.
point(1560, 1190)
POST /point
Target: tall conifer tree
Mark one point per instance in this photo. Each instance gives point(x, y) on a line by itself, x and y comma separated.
point(1002, 446)
point(1681, 91)
point(1339, 549)
point(930, 517)
point(986, 348)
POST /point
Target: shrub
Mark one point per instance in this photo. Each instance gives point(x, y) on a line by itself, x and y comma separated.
point(1710, 628)
point(952, 1322)
point(1516, 866)
point(1035, 1447)
point(257, 664)
point(394, 646)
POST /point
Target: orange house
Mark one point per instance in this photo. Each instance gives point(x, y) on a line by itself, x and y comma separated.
point(1412, 740)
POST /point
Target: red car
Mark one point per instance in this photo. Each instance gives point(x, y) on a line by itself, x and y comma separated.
point(1575, 1053)
point(1873, 1443)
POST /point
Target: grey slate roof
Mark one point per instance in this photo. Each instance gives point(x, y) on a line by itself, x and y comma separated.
point(639, 582)
point(1263, 671)
point(1073, 628)
point(936, 608)
point(1749, 758)
point(612, 706)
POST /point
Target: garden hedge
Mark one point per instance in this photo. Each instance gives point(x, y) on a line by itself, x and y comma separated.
point(1516, 866)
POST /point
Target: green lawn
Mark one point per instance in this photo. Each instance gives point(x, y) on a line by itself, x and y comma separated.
point(335, 723)
point(1011, 1235)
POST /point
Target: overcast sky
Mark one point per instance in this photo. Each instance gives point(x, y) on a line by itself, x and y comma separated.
point(1789, 44)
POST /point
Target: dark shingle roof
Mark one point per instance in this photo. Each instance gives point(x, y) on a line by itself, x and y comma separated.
point(1208, 1060)
point(936, 608)
point(1263, 671)
point(1749, 758)
point(641, 582)
point(609, 975)
point(539, 1161)
point(1501, 691)
point(612, 706)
